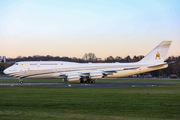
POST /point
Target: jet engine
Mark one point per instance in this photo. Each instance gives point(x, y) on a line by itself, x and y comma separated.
point(72, 77)
point(95, 75)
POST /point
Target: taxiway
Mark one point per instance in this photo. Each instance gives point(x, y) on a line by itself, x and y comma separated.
point(88, 85)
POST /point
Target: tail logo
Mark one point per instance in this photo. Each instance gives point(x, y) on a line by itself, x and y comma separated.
point(158, 55)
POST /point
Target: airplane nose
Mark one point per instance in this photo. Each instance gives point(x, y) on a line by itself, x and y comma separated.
point(5, 71)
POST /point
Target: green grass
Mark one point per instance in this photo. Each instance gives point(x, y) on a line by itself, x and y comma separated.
point(26, 103)
point(74, 103)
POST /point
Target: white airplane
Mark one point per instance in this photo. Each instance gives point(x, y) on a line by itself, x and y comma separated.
point(88, 72)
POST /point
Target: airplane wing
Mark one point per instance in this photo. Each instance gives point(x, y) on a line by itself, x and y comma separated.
point(98, 74)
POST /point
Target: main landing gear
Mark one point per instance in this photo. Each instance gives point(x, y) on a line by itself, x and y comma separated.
point(84, 80)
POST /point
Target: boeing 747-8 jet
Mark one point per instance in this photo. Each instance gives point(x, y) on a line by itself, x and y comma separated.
point(88, 72)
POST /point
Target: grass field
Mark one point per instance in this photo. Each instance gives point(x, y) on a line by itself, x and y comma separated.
point(74, 103)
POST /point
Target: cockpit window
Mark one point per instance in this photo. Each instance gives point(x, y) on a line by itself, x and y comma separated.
point(16, 63)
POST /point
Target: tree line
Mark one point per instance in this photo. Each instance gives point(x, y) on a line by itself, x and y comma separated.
point(88, 57)
point(91, 57)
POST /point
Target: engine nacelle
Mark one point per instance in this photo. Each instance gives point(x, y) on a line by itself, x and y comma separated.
point(95, 75)
point(72, 77)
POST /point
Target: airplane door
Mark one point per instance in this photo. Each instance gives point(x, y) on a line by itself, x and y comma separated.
point(38, 64)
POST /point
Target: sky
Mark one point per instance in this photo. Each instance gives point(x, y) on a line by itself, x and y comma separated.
point(72, 28)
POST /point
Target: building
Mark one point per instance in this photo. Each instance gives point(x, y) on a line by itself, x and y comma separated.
point(173, 76)
point(147, 75)
point(2, 59)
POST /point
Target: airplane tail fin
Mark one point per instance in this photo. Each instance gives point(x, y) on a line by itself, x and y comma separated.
point(158, 54)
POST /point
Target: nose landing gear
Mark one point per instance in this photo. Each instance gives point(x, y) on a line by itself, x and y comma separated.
point(20, 81)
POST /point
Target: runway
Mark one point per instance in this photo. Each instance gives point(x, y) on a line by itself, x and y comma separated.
point(89, 85)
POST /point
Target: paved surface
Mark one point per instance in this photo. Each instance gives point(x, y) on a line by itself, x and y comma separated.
point(89, 85)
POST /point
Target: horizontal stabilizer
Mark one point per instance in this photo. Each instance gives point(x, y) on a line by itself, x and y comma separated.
point(159, 65)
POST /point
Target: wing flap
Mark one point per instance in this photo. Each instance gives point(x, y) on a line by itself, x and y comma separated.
point(121, 69)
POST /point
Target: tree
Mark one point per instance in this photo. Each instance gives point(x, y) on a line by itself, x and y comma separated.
point(110, 59)
point(118, 58)
point(2, 67)
point(89, 57)
point(161, 73)
point(85, 57)
point(128, 59)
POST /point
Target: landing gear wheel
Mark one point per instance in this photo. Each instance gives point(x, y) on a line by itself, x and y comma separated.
point(21, 82)
point(81, 81)
point(93, 81)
